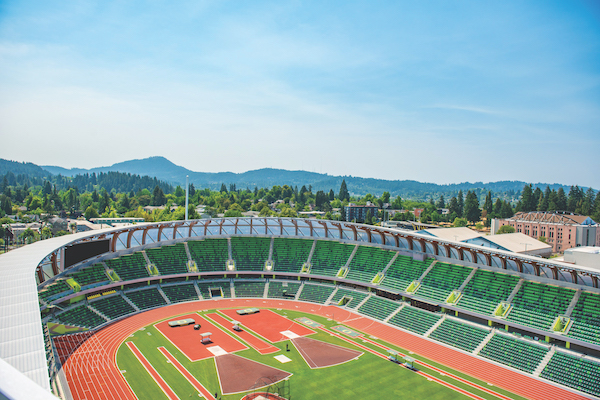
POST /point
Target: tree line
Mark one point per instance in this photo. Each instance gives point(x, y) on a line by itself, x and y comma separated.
point(116, 194)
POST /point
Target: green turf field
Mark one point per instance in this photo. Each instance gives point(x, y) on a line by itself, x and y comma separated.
point(369, 377)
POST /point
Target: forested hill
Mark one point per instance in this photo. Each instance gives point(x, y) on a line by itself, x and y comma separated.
point(165, 170)
point(13, 173)
point(22, 168)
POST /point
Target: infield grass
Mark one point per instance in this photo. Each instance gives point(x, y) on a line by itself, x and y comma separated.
point(368, 377)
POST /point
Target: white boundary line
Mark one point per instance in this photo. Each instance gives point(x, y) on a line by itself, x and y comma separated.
point(243, 391)
point(149, 373)
point(209, 322)
point(239, 338)
point(280, 316)
point(162, 349)
point(328, 344)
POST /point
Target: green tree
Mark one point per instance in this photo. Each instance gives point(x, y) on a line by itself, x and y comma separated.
point(369, 218)
point(343, 195)
point(472, 212)
point(505, 229)
point(460, 203)
point(453, 206)
point(575, 198)
point(561, 200)
point(397, 203)
point(543, 239)
point(29, 235)
point(46, 232)
point(91, 212)
point(385, 197)
point(587, 204)
point(233, 213)
point(507, 210)
point(265, 212)
point(459, 222)
point(488, 206)
point(441, 203)
point(158, 197)
point(527, 201)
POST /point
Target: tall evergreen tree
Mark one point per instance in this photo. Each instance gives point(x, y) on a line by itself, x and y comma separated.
point(158, 197)
point(527, 203)
point(507, 210)
point(453, 205)
point(488, 206)
point(575, 198)
point(561, 200)
point(543, 200)
point(596, 208)
point(461, 204)
point(472, 212)
point(343, 195)
point(441, 203)
point(587, 204)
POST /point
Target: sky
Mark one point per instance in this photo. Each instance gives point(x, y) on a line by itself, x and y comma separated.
point(434, 91)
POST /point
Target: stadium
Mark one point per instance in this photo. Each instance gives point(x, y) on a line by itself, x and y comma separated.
point(292, 308)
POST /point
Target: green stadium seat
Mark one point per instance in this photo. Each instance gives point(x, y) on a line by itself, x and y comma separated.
point(513, 352)
point(180, 292)
point(146, 298)
point(574, 372)
point(210, 254)
point(129, 267)
point(250, 253)
point(357, 296)
point(277, 289)
point(367, 262)
point(290, 254)
point(586, 318)
point(537, 305)
point(169, 259)
point(316, 293)
point(112, 306)
point(329, 257)
point(378, 307)
point(441, 280)
point(464, 336)
point(81, 316)
point(486, 290)
point(414, 319)
point(403, 271)
point(244, 288)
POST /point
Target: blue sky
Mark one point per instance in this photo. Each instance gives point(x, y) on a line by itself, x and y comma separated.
point(436, 91)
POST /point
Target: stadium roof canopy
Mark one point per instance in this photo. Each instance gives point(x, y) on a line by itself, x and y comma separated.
point(21, 335)
point(459, 234)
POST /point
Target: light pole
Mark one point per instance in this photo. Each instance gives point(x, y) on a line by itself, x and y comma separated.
point(187, 195)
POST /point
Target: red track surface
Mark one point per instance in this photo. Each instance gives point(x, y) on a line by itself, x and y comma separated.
point(187, 339)
point(269, 324)
point(183, 371)
point(256, 343)
point(157, 378)
point(106, 382)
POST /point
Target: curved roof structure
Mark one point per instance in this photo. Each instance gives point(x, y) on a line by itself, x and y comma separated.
point(25, 270)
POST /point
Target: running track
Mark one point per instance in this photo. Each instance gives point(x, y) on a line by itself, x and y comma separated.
point(104, 381)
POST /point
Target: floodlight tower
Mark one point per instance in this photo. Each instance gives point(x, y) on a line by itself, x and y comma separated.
point(187, 195)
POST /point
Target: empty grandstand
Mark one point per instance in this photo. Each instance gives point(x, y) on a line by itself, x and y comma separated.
point(542, 323)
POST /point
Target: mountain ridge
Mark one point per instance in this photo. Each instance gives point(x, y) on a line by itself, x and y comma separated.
point(164, 169)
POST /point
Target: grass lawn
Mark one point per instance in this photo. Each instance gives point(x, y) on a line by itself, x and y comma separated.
point(369, 377)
